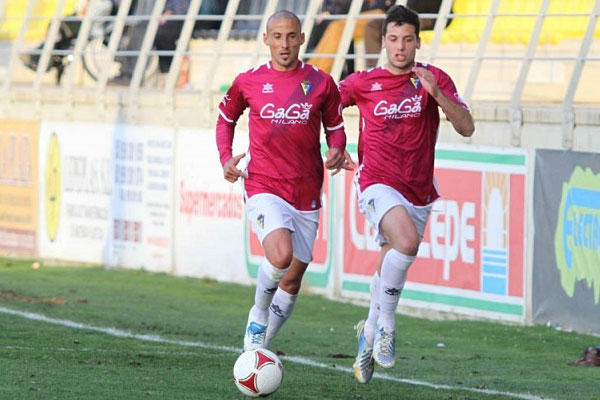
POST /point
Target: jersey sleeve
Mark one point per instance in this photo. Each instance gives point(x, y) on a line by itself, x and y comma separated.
point(332, 118)
point(346, 89)
point(230, 109)
point(447, 86)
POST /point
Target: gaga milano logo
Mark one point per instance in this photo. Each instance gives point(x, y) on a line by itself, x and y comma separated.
point(407, 108)
point(294, 114)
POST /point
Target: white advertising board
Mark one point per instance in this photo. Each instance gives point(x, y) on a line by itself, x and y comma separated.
point(209, 216)
point(75, 191)
point(142, 198)
point(106, 194)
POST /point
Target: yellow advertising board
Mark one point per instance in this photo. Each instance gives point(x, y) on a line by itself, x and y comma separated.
point(18, 186)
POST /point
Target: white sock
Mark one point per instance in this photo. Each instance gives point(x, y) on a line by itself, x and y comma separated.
point(393, 276)
point(371, 322)
point(266, 284)
point(280, 310)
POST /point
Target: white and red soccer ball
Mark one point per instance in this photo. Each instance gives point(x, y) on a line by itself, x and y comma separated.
point(258, 373)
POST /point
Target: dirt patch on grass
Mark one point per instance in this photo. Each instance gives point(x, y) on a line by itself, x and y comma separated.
point(14, 296)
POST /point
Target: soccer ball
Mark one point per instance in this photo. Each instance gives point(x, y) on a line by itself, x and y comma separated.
point(258, 373)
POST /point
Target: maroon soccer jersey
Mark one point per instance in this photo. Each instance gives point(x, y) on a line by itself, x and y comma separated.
point(398, 129)
point(286, 112)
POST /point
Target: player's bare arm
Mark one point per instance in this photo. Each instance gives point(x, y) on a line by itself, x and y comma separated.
point(230, 170)
point(461, 119)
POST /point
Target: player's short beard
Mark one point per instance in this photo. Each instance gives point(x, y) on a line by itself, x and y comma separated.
point(289, 61)
point(407, 64)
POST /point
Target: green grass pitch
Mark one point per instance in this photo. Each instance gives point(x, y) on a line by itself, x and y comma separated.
point(93, 333)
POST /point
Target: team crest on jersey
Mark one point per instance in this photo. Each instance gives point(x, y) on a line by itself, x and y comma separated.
point(371, 205)
point(267, 88)
point(415, 81)
point(376, 87)
point(260, 220)
point(306, 86)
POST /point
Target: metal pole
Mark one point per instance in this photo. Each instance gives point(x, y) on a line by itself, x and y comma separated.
point(140, 65)
point(516, 114)
point(309, 22)
point(440, 25)
point(16, 47)
point(48, 47)
point(485, 38)
point(182, 45)
point(2, 8)
point(82, 39)
point(568, 123)
point(258, 49)
point(230, 11)
point(113, 42)
point(340, 57)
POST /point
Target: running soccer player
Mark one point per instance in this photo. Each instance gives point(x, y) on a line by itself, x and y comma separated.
point(282, 181)
point(398, 104)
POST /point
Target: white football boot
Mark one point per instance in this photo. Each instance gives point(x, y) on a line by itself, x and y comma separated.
point(364, 364)
point(384, 348)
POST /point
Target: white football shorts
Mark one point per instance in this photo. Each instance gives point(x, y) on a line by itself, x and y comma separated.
point(268, 212)
point(378, 199)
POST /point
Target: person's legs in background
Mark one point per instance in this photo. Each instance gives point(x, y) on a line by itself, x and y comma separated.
point(317, 33)
point(166, 40)
point(373, 33)
point(330, 41)
point(132, 39)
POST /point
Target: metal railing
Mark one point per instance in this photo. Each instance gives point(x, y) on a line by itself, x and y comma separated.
point(486, 70)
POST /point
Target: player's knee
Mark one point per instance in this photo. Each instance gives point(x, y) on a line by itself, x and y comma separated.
point(291, 284)
point(273, 273)
point(407, 245)
point(280, 258)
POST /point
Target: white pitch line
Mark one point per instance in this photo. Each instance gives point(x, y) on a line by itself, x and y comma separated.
point(96, 350)
point(293, 359)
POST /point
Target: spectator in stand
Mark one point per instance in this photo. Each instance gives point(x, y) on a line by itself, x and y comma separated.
point(133, 42)
point(328, 8)
point(103, 8)
point(329, 41)
point(169, 30)
point(69, 30)
point(166, 37)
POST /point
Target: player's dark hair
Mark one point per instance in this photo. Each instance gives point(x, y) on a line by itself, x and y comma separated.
point(401, 15)
point(285, 14)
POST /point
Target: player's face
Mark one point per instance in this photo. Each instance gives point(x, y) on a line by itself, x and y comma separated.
point(284, 40)
point(401, 44)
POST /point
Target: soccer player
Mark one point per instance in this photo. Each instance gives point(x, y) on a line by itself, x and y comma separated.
point(398, 104)
point(282, 181)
